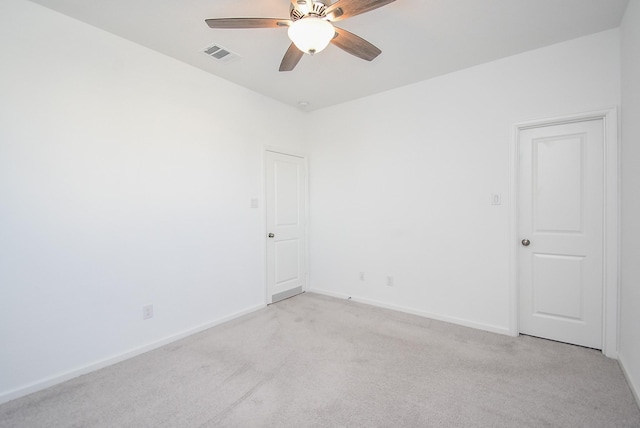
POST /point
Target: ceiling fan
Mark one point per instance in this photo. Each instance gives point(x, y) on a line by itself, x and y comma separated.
point(311, 28)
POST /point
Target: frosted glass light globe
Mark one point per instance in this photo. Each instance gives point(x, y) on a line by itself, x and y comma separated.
point(311, 34)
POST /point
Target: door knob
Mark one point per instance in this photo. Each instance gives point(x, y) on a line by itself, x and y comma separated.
point(526, 242)
point(271, 235)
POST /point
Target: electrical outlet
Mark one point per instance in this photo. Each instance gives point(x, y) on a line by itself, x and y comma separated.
point(147, 312)
point(361, 276)
point(389, 281)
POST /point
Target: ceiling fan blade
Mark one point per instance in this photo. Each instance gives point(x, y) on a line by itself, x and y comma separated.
point(355, 45)
point(343, 9)
point(247, 22)
point(291, 58)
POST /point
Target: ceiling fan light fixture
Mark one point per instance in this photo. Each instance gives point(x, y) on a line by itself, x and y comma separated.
point(311, 34)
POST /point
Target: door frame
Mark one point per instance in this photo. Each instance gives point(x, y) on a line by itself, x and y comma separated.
point(305, 158)
point(611, 279)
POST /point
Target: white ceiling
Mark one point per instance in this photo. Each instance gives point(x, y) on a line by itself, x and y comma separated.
point(419, 39)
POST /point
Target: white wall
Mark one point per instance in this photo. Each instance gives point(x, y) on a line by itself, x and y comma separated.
point(401, 182)
point(125, 179)
point(630, 228)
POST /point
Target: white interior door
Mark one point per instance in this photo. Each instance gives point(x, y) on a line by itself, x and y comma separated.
point(285, 205)
point(560, 225)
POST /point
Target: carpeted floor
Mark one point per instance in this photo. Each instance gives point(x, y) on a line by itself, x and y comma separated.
point(315, 361)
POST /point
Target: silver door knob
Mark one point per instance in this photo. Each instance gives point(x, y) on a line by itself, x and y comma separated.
point(271, 235)
point(526, 242)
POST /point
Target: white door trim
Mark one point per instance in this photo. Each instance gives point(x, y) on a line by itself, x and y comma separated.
point(611, 221)
point(273, 149)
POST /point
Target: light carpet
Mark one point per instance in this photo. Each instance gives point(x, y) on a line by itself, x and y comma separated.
point(316, 361)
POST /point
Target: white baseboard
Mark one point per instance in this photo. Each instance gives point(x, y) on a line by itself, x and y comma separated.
point(56, 379)
point(452, 320)
point(632, 387)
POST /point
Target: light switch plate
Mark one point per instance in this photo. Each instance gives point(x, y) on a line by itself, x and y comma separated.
point(496, 199)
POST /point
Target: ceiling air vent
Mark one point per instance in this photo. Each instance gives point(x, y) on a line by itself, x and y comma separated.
point(220, 53)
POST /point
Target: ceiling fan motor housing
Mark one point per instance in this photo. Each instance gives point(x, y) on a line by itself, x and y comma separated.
point(319, 10)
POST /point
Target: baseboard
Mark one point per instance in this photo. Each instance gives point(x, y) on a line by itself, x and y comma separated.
point(452, 320)
point(632, 387)
point(54, 380)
